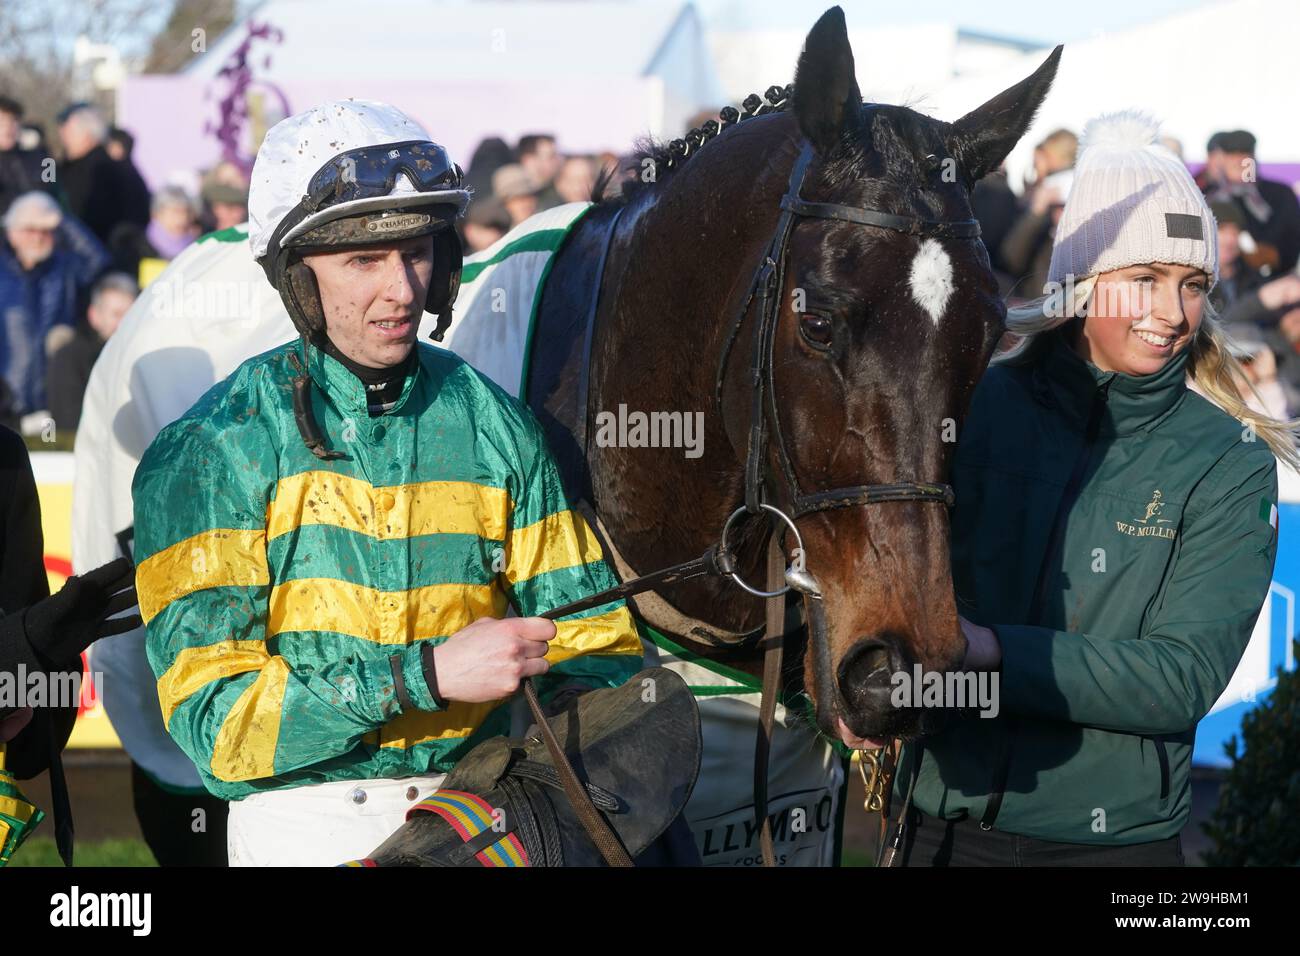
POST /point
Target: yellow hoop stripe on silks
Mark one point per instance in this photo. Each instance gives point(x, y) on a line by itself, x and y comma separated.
point(470, 815)
point(18, 816)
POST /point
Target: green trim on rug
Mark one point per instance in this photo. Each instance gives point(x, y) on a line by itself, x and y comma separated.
point(750, 684)
point(543, 240)
point(229, 234)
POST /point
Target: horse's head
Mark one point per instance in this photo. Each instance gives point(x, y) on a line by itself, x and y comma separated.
point(882, 333)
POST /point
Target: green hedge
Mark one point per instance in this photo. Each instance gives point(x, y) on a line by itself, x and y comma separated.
point(1256, 822)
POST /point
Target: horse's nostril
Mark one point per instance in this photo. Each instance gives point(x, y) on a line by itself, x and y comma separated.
point(866, 664)
point(866, 675)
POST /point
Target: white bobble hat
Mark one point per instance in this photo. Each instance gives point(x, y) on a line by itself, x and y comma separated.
point(1132, 202)
point(296, 148)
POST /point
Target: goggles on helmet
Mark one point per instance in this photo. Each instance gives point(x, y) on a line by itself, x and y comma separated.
point(371, 171)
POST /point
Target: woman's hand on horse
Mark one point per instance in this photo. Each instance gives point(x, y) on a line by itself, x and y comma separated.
point(490, 658)
point(983, 649)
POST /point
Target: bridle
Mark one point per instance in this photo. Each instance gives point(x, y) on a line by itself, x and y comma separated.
point(720, 560)
point(764, 295)
point(765, 290)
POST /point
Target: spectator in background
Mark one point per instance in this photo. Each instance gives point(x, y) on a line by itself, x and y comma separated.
point(224, 195)
point(617, 169)
point(20, 169)
point(1026, 251)
point(997, 209)
point(143, 253)
point(1236, 277)
point(48, 262)
point(225, 206)
point(69, 369)
point(1026, 248)
point(1055, 153)
point(491, 155)
point(486, 222)
point(31, 137)
point(1274, 309)
point(515, 190)
point(1265, 392)
point(575, 180)
point(101, 192)
point(119, 144)
point(1270, 241)
point(541, 161)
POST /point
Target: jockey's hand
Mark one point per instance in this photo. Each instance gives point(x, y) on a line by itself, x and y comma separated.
point(490, 658)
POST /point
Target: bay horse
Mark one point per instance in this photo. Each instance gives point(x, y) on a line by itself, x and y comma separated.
point(887, 316)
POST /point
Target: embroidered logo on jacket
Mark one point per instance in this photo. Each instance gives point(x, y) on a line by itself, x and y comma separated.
point(1148, 526)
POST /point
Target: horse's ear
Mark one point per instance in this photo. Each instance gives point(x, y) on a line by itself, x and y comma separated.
point(826, 98)
point(982, 138)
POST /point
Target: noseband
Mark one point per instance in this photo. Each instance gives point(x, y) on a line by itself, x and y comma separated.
point(765, 418)
point(766, 290)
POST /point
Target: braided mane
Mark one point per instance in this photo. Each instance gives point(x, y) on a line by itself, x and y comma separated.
point(666, 158)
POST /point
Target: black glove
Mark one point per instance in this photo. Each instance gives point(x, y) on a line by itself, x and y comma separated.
point(63, 625)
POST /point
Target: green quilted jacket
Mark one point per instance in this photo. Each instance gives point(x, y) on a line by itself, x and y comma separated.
point(1122, 608)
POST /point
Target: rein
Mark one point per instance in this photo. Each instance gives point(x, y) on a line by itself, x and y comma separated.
point(764, 299)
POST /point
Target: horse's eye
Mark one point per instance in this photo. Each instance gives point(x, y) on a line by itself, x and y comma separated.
point(817, 331)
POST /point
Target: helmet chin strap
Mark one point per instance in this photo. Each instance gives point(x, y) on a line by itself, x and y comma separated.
point(303, 414)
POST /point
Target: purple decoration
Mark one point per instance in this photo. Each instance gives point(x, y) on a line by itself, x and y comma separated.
point(233, 106)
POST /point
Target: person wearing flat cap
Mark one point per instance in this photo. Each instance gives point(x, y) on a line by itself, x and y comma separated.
point(1270, 209)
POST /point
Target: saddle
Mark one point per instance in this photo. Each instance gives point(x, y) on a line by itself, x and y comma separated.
point(636, 748)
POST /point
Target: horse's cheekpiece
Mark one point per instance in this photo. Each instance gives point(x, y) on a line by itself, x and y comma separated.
point(636, 748)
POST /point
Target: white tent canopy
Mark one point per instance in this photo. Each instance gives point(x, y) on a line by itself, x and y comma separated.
point(1226, 65)
point(894, 64)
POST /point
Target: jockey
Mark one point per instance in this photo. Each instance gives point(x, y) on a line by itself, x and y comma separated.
point(346, 519)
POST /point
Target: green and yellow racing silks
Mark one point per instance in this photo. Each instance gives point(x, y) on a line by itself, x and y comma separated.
point(18, 815)
point(276, 586)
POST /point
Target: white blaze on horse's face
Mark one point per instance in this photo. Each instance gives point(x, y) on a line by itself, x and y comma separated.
point(932, 279)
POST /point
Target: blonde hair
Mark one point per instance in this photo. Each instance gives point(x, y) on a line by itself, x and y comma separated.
point(1211, 368)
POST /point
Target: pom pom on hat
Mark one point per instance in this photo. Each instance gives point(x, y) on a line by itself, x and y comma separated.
point(1127, 129)
point(1133, 202)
